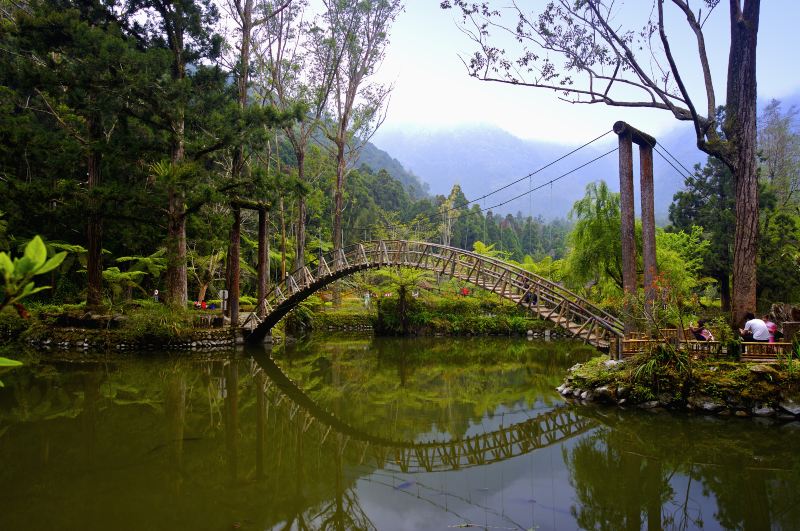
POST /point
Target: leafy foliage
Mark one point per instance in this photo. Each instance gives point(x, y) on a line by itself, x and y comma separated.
point(18, 274)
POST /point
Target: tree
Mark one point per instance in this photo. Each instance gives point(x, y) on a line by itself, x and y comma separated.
point(355, 37)
point(296, 71)
point(404, 281)
point(779, 151)
point(69, 69)
point(603, 61)
point(707, 201)
point(184, 28)
point(489, 250)
point(243, 13)
point(595, 253)
point(453, 208)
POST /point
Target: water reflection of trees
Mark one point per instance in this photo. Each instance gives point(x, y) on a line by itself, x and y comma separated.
point(659, 471)
point(183, 436)
point(198, 443)
point(391, 388)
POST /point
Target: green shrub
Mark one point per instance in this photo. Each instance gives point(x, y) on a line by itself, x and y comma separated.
point(12, 325)
point(157, 322)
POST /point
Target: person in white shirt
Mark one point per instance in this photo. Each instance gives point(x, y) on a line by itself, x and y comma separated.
point(754, 329)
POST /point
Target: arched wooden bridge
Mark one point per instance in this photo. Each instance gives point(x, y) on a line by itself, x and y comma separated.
point(541, 296)
point(545, 429)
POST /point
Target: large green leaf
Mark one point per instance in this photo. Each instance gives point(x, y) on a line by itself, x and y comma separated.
point(30, 289)
point(6, 266)
point(52, 263)
point(23, 267)
point(36, 252)
point(6, 364)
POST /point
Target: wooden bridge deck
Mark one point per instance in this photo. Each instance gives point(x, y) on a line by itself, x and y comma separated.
point(539, 295)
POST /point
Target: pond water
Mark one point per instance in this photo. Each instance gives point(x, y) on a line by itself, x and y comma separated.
point(362, 433)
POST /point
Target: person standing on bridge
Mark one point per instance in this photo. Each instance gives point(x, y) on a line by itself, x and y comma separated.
point(529, 297)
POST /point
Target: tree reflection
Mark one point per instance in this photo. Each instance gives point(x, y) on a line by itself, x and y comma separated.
point(659, 471)
point(615, 487)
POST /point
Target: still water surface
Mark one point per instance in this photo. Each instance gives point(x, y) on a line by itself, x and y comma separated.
point(362, 433)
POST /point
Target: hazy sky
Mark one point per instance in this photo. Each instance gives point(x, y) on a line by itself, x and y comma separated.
point(432, 89)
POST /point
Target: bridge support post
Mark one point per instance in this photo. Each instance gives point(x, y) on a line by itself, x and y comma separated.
point(627, 219)
point(627, 137)
point(648, 220)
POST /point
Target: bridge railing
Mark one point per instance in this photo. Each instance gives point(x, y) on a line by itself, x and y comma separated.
point(580, 305)
point(377, 253)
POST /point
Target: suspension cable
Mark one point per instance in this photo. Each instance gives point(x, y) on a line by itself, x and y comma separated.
point(508, 185)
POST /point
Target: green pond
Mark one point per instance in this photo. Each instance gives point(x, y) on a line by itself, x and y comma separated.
point(363, 433)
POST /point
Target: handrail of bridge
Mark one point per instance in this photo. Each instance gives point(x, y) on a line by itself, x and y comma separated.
point(553, 286)
point(577, 304)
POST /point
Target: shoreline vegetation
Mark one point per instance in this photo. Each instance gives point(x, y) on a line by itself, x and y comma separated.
point(149, 325)
point(664, 379)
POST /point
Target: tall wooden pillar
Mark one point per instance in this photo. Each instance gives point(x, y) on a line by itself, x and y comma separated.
point(648, 220)
point(627, 216)
point(627, 137)
point(233, 264)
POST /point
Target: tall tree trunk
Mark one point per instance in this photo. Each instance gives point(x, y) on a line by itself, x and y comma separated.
point(263, 262)
point(283, 242)
point(300, 241)
point(338, 196)
point(740, 126)
point(94, 233)
point(177, 291)
point(201, 293)
point(243, 81)
point(233, 264)
point(177, 282)
point(176, 278)
point(338, 206)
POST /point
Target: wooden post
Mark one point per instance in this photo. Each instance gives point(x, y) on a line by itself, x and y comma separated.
point(627, 219)
point(627, 136)
point(648, 220)
point(233, 263)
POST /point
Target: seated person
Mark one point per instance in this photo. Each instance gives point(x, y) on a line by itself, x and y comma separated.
point(774, 333)
point(754, 329)
point(700, 332)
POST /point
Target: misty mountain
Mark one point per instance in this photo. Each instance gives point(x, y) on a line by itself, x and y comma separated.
point(485, 158)
point(377, 159)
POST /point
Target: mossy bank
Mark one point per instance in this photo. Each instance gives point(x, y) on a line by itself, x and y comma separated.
point(712, 387)
point(145, 326)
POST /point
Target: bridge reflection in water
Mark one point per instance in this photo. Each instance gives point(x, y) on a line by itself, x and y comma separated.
point(359, 458)
point(546, 429)
point(195, 443)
